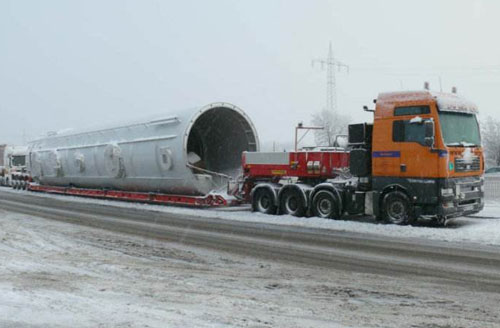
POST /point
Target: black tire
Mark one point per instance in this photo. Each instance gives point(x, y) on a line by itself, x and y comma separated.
point(397, 208)
point(292, 203)
point(263, 201)
point(326, 205)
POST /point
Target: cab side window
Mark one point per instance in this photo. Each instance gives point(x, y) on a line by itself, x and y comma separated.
point(404, 131)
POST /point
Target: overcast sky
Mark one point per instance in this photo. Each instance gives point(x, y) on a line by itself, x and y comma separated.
point(67, 64)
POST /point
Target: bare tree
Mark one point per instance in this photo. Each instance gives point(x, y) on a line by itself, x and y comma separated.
point(333, 124)
point(491, 141)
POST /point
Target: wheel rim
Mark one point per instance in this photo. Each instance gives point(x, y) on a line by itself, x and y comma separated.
point(324, 207)
point(264, 203)
point(397, 211)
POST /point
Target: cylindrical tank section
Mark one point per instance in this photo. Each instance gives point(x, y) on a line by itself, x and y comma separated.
point(191, 152)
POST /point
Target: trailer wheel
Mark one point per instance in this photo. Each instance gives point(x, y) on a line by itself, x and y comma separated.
point(292, 202)
point(263, 201)
point(325, 205)
point(396, 208)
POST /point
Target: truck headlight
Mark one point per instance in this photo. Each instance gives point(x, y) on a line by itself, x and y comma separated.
point(446, 191)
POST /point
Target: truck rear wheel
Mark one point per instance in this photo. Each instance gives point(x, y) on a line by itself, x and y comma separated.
point(292, 202)
point(263, 201)
point(325, 205)
point(396, 208)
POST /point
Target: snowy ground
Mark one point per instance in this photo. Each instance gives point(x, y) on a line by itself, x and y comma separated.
point(55, 274)
point(483, 228)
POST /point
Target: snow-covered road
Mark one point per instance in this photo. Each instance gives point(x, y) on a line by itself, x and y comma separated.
point(55, 274)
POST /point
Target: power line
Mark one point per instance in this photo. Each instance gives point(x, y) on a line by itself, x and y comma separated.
point(458, 67)
point(415, 70)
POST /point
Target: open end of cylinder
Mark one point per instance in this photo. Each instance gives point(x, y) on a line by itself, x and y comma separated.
point(216, 141)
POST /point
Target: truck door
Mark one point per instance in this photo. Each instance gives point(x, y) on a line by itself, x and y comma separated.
point(416, 159)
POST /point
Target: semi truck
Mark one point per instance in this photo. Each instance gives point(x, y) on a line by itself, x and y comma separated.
point(13, 170)
point(421, 156)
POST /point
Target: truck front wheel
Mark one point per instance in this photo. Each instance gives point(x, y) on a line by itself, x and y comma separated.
point(325, 205)
point(396, 208)
point(263, 201)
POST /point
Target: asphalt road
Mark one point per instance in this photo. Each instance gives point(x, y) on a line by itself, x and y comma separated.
point(473, 266)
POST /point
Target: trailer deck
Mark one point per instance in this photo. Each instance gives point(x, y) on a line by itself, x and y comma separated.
point(209, 200)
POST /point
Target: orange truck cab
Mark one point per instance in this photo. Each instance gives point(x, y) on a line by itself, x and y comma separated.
point(426, 155)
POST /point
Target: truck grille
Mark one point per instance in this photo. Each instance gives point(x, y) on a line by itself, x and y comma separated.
point(462, 165)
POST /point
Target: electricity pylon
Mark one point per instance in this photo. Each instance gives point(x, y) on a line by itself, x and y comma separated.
point(330, 63)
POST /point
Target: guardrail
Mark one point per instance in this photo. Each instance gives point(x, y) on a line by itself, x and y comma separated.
point(492, 187)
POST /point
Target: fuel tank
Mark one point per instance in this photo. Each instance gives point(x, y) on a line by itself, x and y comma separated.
point(190, 152)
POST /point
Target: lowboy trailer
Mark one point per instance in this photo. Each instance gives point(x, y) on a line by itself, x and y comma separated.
point(210, 200)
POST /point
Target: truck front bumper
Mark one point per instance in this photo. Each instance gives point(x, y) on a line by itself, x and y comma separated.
point(461, 196)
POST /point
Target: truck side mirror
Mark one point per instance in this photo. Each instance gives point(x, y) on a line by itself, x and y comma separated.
point(429, 133)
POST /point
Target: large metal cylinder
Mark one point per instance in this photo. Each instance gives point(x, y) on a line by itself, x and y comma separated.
point(191, 152)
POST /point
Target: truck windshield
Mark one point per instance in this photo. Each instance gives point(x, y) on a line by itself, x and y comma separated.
point(459, 129)
point(18, 160)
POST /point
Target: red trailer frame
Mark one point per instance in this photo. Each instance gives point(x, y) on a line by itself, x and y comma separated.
point(210, 200)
